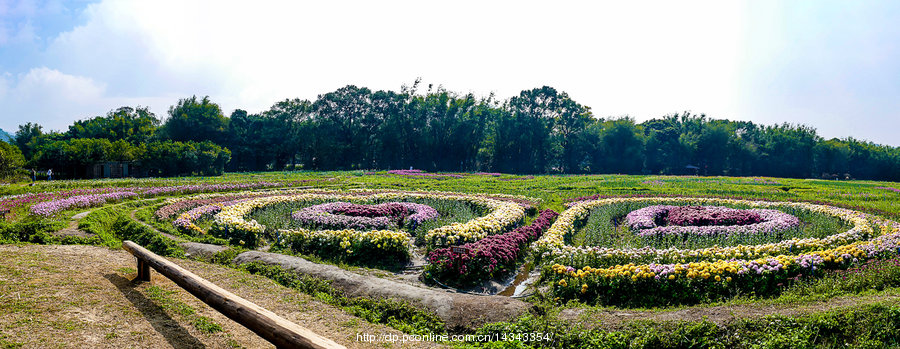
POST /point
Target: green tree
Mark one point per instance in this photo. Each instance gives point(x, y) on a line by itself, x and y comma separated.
point(169, 158)
point(281, 130)
point(196, 120)
point(26, 138)
point(787, 151)
point(523, 134)
point(398, 135)
point(712, 148)
point(344, 119)
point(619, 146)
point(11, 160)
point(569, 122)
point(832, 157)
point(70, 158)
point(134, 125)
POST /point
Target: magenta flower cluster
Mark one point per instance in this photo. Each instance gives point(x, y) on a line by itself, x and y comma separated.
point(205, 188)
point(49, 203)
point(345, 215)
point(49, 208)
point(420, 173)
point(487, 258)
point(661, 220)
point(11, 203)
point(889, 188)
point(526, 204)
point(711, 215)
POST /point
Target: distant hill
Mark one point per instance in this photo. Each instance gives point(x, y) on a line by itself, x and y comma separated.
point(4, 136)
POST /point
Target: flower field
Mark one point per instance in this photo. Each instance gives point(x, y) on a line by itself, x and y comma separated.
point(585, 241)
point(611, 275)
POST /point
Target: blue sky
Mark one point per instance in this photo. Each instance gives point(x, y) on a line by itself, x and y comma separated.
point(833, 65)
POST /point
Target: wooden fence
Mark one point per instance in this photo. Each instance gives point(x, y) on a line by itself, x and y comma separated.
point(268, 325)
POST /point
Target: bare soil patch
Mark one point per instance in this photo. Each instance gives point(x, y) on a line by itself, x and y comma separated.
point(83, 296)
point(459, 310)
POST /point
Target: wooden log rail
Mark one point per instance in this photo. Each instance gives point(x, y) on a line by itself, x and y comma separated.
point(268, 325)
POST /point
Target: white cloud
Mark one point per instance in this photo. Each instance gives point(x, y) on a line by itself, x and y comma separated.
point(631, 58)
point(645, 59)
point(54, 99)
point(48, 97)
point(54, 83)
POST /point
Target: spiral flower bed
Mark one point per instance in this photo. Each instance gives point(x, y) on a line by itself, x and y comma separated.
point(230, 223)
point(707, 220)
point(649, 276)
point(390, 215)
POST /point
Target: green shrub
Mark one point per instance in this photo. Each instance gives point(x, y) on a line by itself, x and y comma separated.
point(127, 229)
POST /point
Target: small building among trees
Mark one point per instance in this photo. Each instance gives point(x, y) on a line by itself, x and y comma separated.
point(115, 169)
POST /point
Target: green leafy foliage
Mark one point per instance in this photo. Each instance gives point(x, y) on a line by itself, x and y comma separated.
point(31, 231)
point(870, 326)
point(541, 130)
point(132, 125)
point(11, 160)
point(195, 120)
point(127, 229)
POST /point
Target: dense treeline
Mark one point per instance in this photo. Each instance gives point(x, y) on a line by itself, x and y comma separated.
point(539, 131)
point(129, 135)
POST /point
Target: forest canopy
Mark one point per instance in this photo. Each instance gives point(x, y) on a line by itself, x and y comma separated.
point(541, 130)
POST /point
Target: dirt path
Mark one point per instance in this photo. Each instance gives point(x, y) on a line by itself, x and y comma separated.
point(459, 310)
point(82, 296)
point(72, 228)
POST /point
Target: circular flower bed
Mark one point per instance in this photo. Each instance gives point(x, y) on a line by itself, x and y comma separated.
point(649, 276)
point(343, 244)
point(707, 220)
point(389, 215)
point(356, 226)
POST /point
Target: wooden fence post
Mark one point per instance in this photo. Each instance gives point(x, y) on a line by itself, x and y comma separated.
point(143, 270)
point(268, 325)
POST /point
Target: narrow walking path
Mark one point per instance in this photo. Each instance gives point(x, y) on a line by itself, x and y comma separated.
point(72, 228)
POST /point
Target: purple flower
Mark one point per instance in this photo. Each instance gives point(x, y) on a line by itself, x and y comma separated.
point(341, 215)
point(486, 257)
point(52, 207)
point(420, 173)
point(707, 220)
